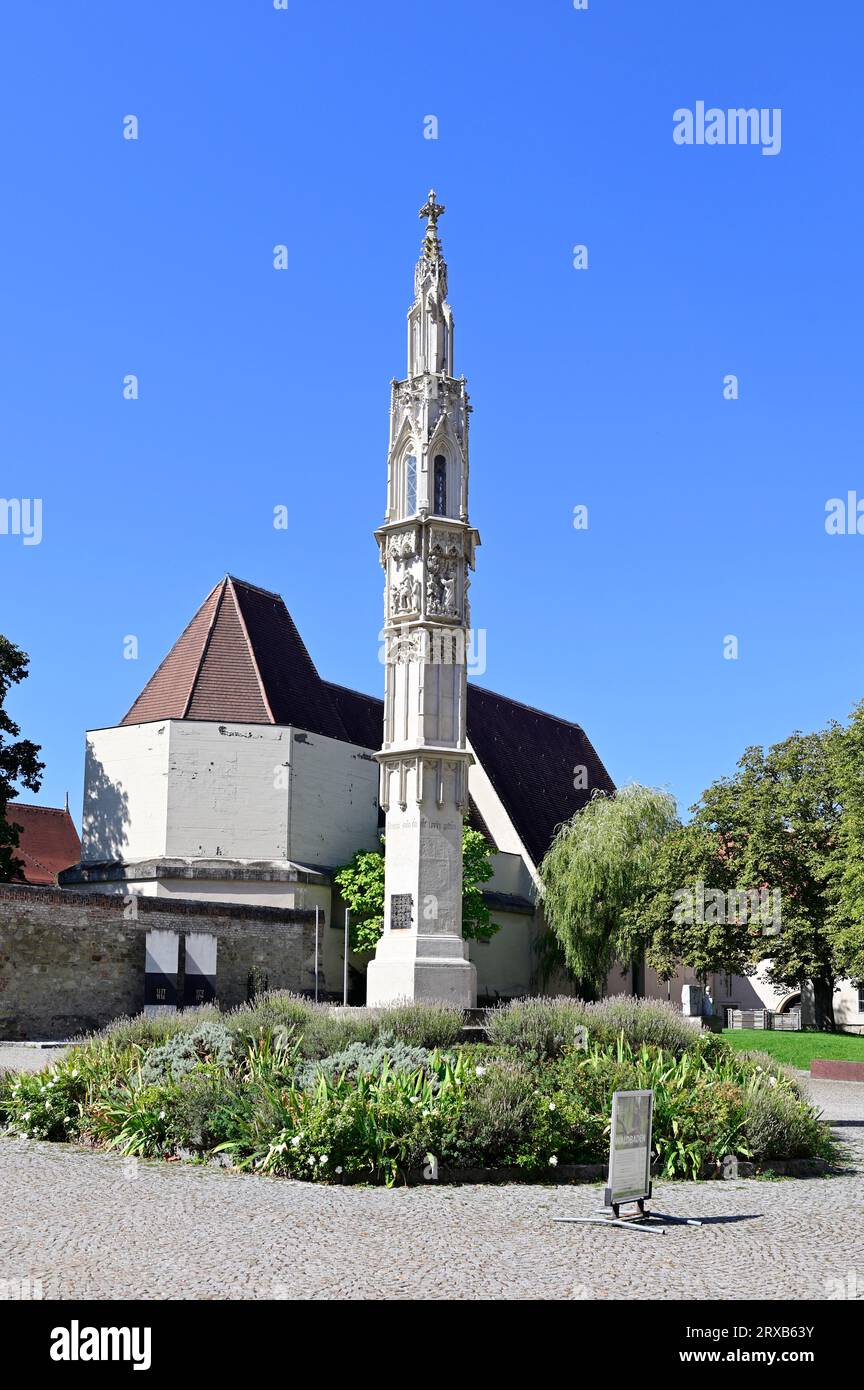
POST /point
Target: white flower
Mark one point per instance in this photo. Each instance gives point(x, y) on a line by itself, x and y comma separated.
point(295, 1141)
point(551, 1105)
point(553, 1162)
point(310, 1162)
point(479, 1071)
point(772, 1080)
point(323, 1158)
point(339, 1169)
point(161, 1114)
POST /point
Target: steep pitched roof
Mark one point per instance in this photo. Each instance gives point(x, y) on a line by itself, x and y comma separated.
point(241, 660)
point(531, 759)
point(47, 843)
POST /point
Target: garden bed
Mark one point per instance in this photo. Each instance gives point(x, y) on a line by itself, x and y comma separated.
point(288, 1088)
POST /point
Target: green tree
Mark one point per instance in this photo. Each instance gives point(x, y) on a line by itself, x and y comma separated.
point(361, 885)
point(777, 826)
point(597, 873)
point(847, 748)
point(19, 760)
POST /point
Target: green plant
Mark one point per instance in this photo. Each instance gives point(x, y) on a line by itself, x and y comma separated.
point(366, 1059)
point(208, 1042)
point(47, 1104)
point(546, 1027)
point(361, 884)
point(422, 1024)
point(779, 1125)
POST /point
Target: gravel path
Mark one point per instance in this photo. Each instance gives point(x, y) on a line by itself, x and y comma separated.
point(94, 1225)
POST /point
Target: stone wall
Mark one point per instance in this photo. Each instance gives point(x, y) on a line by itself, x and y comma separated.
point(70, 962)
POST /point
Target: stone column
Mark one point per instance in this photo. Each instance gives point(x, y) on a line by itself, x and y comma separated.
point(427, 548)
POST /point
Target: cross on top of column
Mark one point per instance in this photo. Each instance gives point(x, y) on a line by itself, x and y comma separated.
point(432, 210)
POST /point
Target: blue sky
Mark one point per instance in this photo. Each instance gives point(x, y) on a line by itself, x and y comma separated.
point(601, 387)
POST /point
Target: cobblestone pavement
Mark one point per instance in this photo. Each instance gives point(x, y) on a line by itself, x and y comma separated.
point(15, 1057)
point(93, 1225)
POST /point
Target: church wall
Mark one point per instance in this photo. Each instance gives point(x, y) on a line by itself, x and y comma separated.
point(228, 790)
point(70, 962)
point(510, 875)
point(125, 792)
point(334, 801)
point(505, 964)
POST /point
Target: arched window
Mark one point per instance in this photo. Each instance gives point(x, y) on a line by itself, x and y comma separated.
point(440, 507)
point(410, 485)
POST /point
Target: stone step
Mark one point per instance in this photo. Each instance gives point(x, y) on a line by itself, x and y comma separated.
point(473, 1032)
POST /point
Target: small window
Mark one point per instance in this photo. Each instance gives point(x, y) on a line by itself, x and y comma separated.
point(728, 986)
point(410, 485)
point(861, 999)
point(440, 486)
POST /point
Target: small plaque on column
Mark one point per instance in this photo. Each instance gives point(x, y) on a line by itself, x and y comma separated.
point(401, 908)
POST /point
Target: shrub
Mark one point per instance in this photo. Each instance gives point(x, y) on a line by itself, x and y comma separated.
point(779, 1125)
point(367, 1059)
point(146, 1032)
point(6, 1079)
point(546, 1027)
point(641, 1021)
point(495, 1120)
point(427, 1025)
point(207, 1109)
point(539, 1027)
point(186, 1051)
point(378, 1126)
point(763, 1061)
point(47, 1104)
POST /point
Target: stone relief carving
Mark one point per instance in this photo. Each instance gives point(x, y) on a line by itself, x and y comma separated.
point(442, 575)
point(405, 588)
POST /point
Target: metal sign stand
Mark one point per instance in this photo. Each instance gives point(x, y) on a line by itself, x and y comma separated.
point(629, 1166)
point(632, 1221)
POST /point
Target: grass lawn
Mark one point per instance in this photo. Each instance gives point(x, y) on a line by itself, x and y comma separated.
point(798, 1049)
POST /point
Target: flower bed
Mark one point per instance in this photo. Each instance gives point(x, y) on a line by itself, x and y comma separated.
point(288, 1088)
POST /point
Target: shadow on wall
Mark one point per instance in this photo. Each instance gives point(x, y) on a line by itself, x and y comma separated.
point(106, 814)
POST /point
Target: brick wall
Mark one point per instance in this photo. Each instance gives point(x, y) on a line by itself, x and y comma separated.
point(70, 962)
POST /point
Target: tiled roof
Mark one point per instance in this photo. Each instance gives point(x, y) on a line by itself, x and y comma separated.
point(242, 660)
point(531, 759)
point(47, 843)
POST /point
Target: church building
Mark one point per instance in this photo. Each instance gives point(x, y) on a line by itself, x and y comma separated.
point(239, 775)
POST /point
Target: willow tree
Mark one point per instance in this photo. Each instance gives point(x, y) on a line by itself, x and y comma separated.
point(598, 871)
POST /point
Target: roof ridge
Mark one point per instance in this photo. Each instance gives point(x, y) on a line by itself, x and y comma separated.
point(33, 806)
point(250, 646)
point(256, 588)
point(352, 690)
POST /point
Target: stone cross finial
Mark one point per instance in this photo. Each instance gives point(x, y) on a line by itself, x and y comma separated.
point(432, 210)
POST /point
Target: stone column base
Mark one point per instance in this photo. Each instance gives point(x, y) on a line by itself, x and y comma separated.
point(447, 980)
